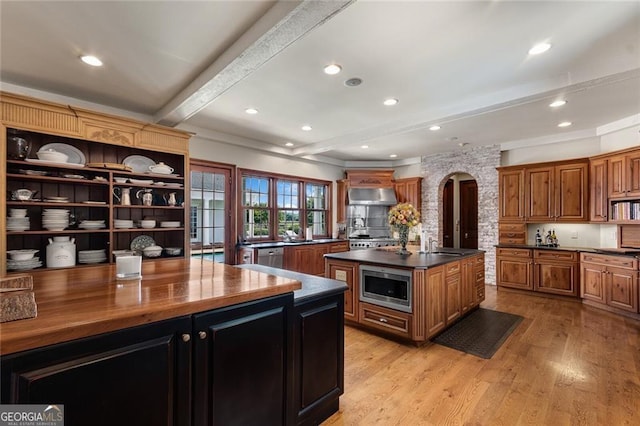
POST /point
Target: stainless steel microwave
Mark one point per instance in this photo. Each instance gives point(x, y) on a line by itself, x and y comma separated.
point(388, 287)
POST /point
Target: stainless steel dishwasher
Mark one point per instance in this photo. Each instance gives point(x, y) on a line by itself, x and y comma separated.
point(271, 256)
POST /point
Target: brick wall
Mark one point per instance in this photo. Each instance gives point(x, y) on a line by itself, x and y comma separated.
point(481, 163)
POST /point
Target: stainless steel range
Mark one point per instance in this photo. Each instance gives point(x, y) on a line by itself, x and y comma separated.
point(367, 218)
point(365, 243)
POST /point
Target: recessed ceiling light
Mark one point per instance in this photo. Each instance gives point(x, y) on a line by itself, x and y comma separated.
point(565, 124)
point(539, 48)
point(434, 128)
point(390, 102)
point(558, 103)
point(91, 60)
point(393, 155)
point(332, 69)
point(288, 144)
point(364, 146)
point(251, 111)
point(306, 128)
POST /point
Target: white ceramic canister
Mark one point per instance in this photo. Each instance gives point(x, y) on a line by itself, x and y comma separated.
point(61, 252)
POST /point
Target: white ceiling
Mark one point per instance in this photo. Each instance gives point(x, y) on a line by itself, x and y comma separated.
point(460, 64)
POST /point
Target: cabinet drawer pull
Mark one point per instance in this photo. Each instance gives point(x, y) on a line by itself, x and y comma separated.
point(202, 335)
point(186, 337)
point(383, 320)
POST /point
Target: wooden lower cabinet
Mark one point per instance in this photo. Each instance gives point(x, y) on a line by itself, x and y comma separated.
point(348, 273)
point(610, 281)
point(318, 337)
point(389, 320)
point(540, 270)
point(137, 376)
point(309, 258)
point(436, 300)
point(228, 366)
point(243, 364)
point(453, 286)
point(479, 279)
point(556, 272)
point(514, 268)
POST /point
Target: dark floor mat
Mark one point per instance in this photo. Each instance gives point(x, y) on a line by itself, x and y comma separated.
point(480, 333)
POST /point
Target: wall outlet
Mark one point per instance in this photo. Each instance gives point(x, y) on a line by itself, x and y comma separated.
point(574, 235)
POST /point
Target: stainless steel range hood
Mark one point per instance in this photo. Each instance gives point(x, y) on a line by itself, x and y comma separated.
point(372, 196)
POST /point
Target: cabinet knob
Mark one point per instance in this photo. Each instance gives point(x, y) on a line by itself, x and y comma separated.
point(186, 337)
point(202, 335)
point(383, 320)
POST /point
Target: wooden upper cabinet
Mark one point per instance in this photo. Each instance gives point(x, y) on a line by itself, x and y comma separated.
point(342, 186)
point(571, 192)
point(624, 175)
point(409, 190)
point(598, 196)
point(557, 193)
point(511, 195)
point(373, 178)
point(539, 194)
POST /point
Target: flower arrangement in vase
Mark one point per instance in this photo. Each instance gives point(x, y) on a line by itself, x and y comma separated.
point(403, 217)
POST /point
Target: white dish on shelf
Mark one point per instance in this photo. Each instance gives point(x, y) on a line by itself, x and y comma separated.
point(173, 185)
point(52, 163)
point(141, 181)
point(75, 155)
point(94, 202)
point(170, 224)
point(139, 163)
point(119, 179)
point(22, 254)
point(159, 184)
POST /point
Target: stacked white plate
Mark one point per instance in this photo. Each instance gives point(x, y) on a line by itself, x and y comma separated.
point(22, 265)
point(92, 224)
point(122, 223)
point(92, 256)
point(55, 219)
point(17, 223)
point(170, 224)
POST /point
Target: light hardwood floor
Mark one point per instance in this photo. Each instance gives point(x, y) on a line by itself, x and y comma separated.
point(565, 364)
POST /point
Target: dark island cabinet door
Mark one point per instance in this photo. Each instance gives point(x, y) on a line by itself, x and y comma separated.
point(319, 358)
point(243, 364)
point(138, 376)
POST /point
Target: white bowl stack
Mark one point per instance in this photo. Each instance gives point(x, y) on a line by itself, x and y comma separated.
point(55, 219)
point(92, 224)
point(18, 220)
point(22, 260)
point(123, 223)
point(92, 256)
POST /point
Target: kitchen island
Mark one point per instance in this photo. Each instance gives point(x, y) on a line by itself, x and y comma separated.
point(412, 297)
point(191, 342)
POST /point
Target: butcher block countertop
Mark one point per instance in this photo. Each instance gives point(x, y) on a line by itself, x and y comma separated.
point(85, 301)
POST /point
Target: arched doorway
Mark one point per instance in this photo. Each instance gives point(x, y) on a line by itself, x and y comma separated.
point(460, 211)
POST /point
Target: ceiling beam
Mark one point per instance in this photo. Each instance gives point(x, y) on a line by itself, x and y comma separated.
point(282, 25)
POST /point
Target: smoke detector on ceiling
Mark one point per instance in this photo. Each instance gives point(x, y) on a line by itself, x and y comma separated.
point(353, 82)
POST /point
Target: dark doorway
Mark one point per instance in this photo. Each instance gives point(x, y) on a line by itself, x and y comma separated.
point(468, 214)
point(447, 214)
